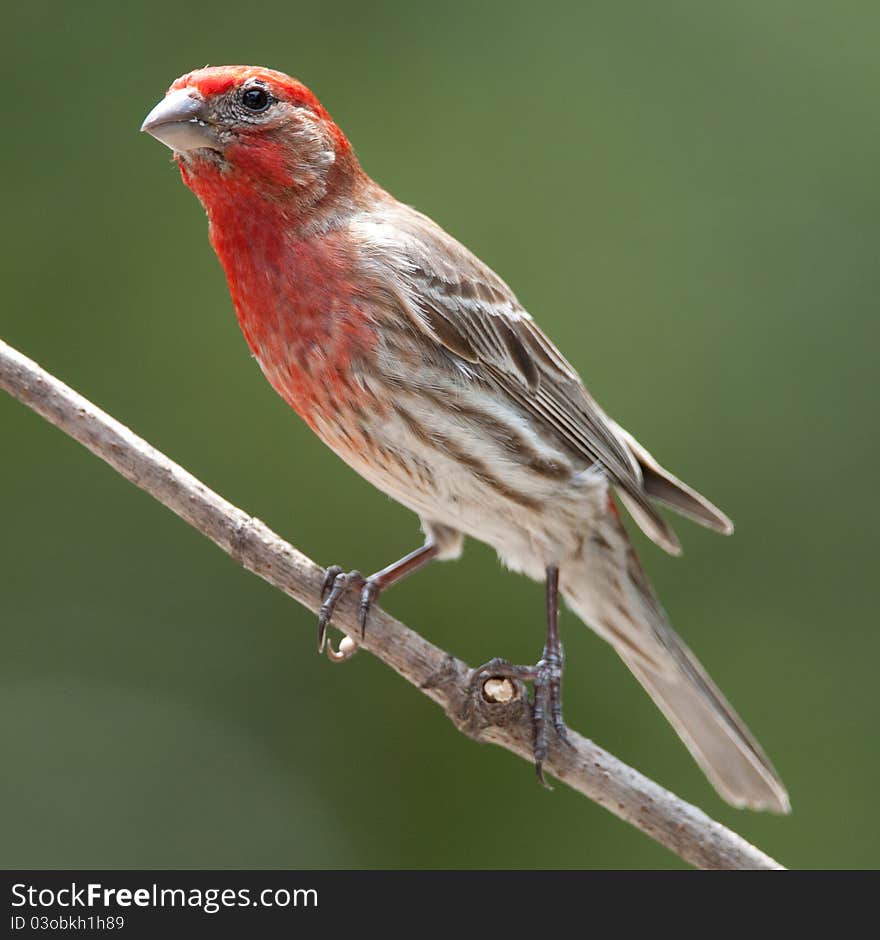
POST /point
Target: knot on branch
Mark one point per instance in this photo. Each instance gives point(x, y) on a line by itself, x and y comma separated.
point(487, 703)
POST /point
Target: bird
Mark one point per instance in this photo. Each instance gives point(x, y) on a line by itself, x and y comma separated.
point(417, 365)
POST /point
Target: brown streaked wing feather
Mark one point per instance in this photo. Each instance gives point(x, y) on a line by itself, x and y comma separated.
point(468, 309)
point(666, 488)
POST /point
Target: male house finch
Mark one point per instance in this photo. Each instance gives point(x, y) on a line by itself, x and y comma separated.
point(416, 364)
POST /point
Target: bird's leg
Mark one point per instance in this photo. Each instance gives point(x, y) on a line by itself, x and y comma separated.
point(545, 676)
point(550, 671)
point(337, 582)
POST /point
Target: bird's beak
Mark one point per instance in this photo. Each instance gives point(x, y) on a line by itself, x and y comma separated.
point(178, 121)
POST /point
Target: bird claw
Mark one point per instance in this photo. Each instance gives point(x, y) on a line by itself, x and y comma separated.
point(370, 590)
point(336, 583)
point(330, 575)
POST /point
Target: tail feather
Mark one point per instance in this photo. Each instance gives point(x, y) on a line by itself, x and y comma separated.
point(720, 743)
point(609, 591)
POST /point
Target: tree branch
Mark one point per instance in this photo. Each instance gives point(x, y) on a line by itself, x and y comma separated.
point(503, 719)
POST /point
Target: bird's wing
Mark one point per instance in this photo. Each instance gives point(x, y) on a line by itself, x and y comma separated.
point(464, 306)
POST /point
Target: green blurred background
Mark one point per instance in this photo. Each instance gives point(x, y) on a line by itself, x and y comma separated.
point(685, 196)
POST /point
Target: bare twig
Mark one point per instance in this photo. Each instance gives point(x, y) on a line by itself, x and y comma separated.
point(486, 714)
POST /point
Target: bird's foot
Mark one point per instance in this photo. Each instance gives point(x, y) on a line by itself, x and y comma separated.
point(546, 679)
point(336, 583)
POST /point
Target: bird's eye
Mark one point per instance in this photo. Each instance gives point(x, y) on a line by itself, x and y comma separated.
point(255, 99)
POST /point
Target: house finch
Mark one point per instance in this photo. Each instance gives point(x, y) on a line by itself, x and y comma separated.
point(417, 365)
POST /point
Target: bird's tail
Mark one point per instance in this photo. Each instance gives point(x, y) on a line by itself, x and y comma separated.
point(608, 590)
